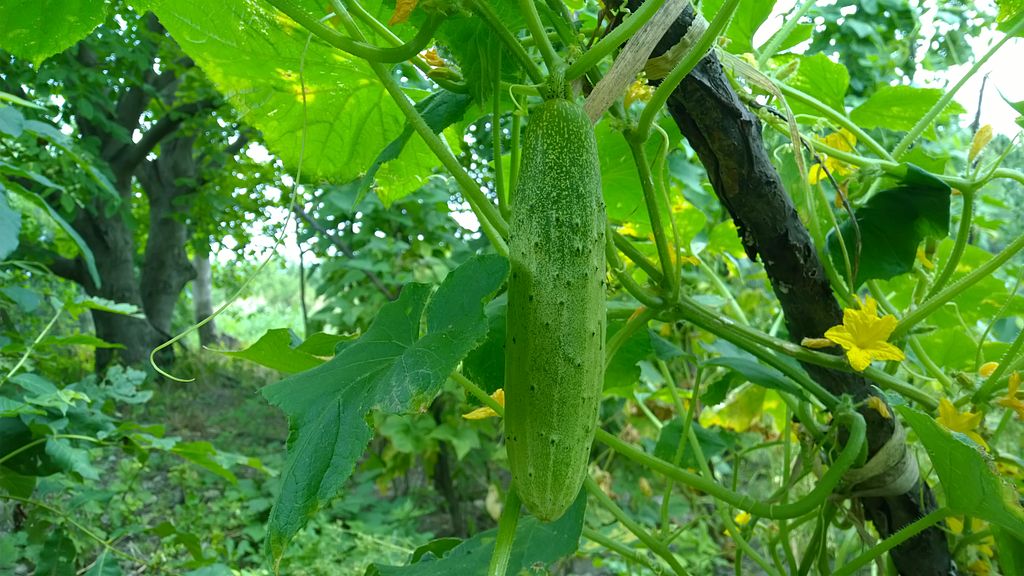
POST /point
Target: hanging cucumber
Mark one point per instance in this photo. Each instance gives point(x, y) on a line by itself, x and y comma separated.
point(554, 362)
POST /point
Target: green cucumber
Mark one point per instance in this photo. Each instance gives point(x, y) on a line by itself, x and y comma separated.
point(554, 357)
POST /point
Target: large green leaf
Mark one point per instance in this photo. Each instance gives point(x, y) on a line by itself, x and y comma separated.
point(749, 16)
point(10, 225)
point(713, 442)
point(968, 478)
point(105, 565)
point(822, 78)
point(37, 29)
point(535, 543)
point(1010, 13)
point(440, 110)
point(892, 224)
point(254, 56)
point(57, 557)
point(899, 107)
point(277, 349)
point(478, 50)
point(392, 368)
point(83, 248)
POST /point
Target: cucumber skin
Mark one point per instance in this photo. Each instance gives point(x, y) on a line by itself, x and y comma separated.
point(555, 339)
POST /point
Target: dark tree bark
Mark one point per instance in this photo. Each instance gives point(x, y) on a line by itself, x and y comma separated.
point(727, 139)
point(165, 162)
point(202, 299)
point(168, 181)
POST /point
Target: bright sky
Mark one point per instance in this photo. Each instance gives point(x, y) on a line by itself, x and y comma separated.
point(1003, 69)
point(1004, 78)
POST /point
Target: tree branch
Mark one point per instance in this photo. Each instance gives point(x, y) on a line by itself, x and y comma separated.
point(727, 139)
point(130, 159)
point(345, 249)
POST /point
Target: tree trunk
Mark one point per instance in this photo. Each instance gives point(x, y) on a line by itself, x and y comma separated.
point(113, 248)
point(727, 139)
point(167, 180)
point(202, 299)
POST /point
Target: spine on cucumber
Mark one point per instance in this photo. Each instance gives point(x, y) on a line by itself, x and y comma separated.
point(554, 364)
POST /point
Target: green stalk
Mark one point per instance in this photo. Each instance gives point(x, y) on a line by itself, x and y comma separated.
point(993, 383)
point(636, 145)
point(484, 10)
point(723, 513)
point(677, 458)
point(939, 106)
point(540, 38)
point(791, 22)
point(745, 336)
point(379, 28)
point(962, 235)
point(620, 273)
point(906, 533)
point(952, 291)
point(612, 40)
point(493, 225)
point(652, 543)
point(837, 117)
point(690, 60)
point(107, 545)
point(359, 48)
point(506, 535)
point(628, 554)
point(513, 177)
point(637, 257)
point(828, 482)
point(636, 322)
point(31, 347)
point(499, 171)
point(723, 291)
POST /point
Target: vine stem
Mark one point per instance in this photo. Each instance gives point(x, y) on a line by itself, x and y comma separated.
point(506, 535)
point(84, 529)
point(993, 382)
point(826, 485)
point(360, 48)
point(31, 348)
point(633, 526)
point(540, 38)
point(963, 234)
point(685, 66)
point(43, 440)
point(906, 533)
point(837, 117)
point(627, 553)
point(611, 41)
point(947, 97)
point(723, 513)
point(484, 10)
point(952, 291)
point(790, 24)
point(636, 146)
point(491, 221)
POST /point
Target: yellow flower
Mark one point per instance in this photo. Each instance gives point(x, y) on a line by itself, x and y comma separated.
point(629, 229)
point(864, 335)
point(843, 140)
point(981, 139)
point(965, 423)
point(876, 404)
point(1010, 400)
point(922, 257)
point(987, 369)
point(486, 411)
point(742, 519)
point(638, 91)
